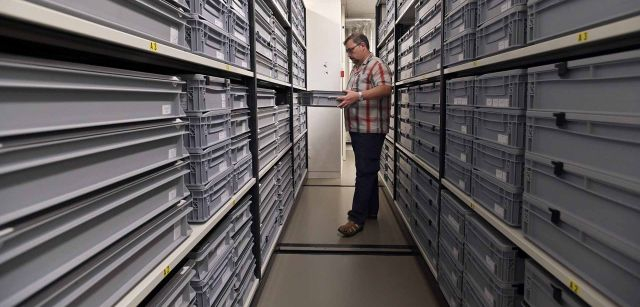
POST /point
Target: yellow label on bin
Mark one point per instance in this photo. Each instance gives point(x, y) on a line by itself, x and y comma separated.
point(583, 36)
point(166, 271)
point(574, 286)
point(153, 46)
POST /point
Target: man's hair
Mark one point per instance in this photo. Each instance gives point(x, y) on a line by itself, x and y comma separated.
point(357, 38)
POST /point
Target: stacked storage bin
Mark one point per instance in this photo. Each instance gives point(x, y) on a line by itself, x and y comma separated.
point(405, 54)
point(282, 6)
point(265, 39)
point(502, 26)
point(177, 291)
point(298, 19)
point(284, 129)
point(542, 289)
point(267, 126)
point(209, 143)
point(404, 131)
point(428, 36)
point(453, 216)
point(238, 28)
point(459, 132)
point(281, 65)
point(285, 189)
point(94, 162)
point(387, 162)
point(300, 147)
point(391, 56)
point(493, 267)
point(392, 117)
point(425, 191)
point(582, 144)
point(403, 185)
point(459, 31)
point(498, 148)
point(388, 22)
point(425, 124)
point(299, 64)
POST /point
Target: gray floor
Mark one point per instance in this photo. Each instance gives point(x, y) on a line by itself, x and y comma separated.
point(377, 277)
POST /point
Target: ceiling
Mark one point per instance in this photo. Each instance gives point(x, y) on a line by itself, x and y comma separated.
point(360, 8)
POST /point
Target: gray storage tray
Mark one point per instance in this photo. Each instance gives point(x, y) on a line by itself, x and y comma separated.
point(265, 67)
point(502, 126)
point(239, 54)
point(460, 119)
point(461, 18)
point(427, 152)
point(405, 141)
point(267, 154)
point(209, 165)
point(505, 89)
point(489, 9)
point(426, 189)
point(498, 256)
point(267, 116)
point(37, 173)
point(406, 127)
point(283, 112)
point(427, 63)
point(406, 71)
point(453, 213)
point(542, 289)
point(213, 11)
point(426, 132)
point(460, 48)
point(264, 46)
point(550, 18)
point(81, 96)
point(213, 291)
point(426, 220)
point(454, 248)
point(458, 173)
point(157, 20)
point(503, 200)
point(239, 122)
point(501, 162)
point(459, 146)
point(208, 130)
point(406, 41)
point(426, 113)
point(267, 136)
point(177, 291)
point(238, 27)
point(485, 290)
point(205, 93)
point(266, 98)
point(240, 215)
point(460, 91)
point(238, 96)
point(504, 32)
point(572, 137)
point(428, 239)
point(242, 244)
point(428, 44)
point(448, 292)
point(208, 40)
point(240, 148)
point(209, 199)
point(574, 244)
point(242, 173)
point(283, 143)
point(613, 203)
point(426, 93)
point(588, 83)
point(108, 276)
point(210, 254)
point(82, 229)
point(263, 10)
point(430, 21)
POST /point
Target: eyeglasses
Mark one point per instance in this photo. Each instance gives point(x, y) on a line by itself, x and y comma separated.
point(350, 50)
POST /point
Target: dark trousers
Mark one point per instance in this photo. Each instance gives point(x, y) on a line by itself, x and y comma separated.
point(367, 148)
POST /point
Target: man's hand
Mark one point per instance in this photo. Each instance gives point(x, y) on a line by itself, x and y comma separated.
point(348, 99)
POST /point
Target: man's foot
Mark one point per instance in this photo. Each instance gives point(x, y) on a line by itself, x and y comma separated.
point(350, 229)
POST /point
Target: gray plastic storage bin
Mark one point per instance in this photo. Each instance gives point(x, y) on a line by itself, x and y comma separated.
point(406, 71)
point(406, 127)
point(239, 53)
point(242, 173)
point(461, 18)
point(239, 122)
point(406, 57)
point(489, 9)
point(29, 264)
point(266, 98)
point(427, 152)
point(283, 112)
point(454, 248)
point(240, 148)
point(211, 253)
point(320, 98)
point(500, 162)
point(208, 40)
point(213, 11)
point(406, 41)
point(503, 126)
point(429, 114)
point(157, 20)
point(238, 27)
point(267, 154)
point(208, 199)
point(242, 294)
point(505, 89)
point(82, 96)
point(423, 7)
point(264, 47)
point(453, 213)
point(240, 8)
point(427, 93)
point(551, 18)
point(280, 32)
point(267, 135)
point(177, 291)
point(582, 85)
point(106, 277)
point(501, 258)
point(427, 63)
point(240, 215)
point(45, 173)
point(214, 291)
point(267, 116)
point(460, 119)
point(572, 137)
point(543, 289)
point(460, 91)
point(428, 220)
point(431, 21)
point(263, 10)
point(284, 131)
point(503, 200)
point(428, 44)
point(504, 32)
point(406, 141)
point(583, 250)
point(238, 96)
point(283, 143)
point(205, 93)
point(428, 239)
point(427, 189)
point(482, 290)
point(242, 245)
point(460, 48)
point(458, 173)
point(209, 165)
point(459, 146)
point(569, 188)
point(264, 66)
point(208, 130)
point(405, 111)
point(426, 132)
point(447, 291)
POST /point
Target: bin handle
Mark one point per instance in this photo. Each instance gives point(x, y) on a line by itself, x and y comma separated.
point(558, 168)
point(561, 119)
point(557, 294)
point(563, 69)
point(555, 216)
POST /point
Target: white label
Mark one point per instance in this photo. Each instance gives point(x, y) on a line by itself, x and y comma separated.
point(503, 44)
point(243, 63)
point(461, 29)
point(497, 102)
point(460, 101)
point(461, 184)
point(218, 23)
point(166, 109)
point(177, 231)
point(505, 6)
point(173, 35)
point(461, 57)
point(488, 296)
point(463, 157)
point(184, 270)
point(438, 66)
point(454, 252)
point(453, 223)
point(219, 55)
point(463, 129)
point(244, 152)
point(498, 210)
point(490, 264)
point(501, 175)
point(172, 153)
point(503, 139)
point(221, 135)
point(225, 195)
point(0, 145)
point(172, 194)
point(240, 37)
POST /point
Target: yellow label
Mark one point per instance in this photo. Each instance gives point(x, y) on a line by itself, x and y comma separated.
point(574, 286)
point(166, 271)
point(583, 36)
point(153, 46)
point(228, 67)
point(475, 63)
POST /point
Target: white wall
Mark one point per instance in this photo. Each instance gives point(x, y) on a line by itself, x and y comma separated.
point(324, 61)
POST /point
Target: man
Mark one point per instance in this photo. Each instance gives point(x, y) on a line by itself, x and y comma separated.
point(367, 106)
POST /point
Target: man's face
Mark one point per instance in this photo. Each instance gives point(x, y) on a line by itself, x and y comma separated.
point(356, 52)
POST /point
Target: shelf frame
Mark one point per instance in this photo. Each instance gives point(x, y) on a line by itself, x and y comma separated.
point(271, 81)
point(409, 14)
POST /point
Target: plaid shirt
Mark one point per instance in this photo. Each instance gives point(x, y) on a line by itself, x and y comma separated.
point(369, 116)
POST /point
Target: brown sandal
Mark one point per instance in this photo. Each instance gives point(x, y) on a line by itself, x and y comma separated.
point(350, 229)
